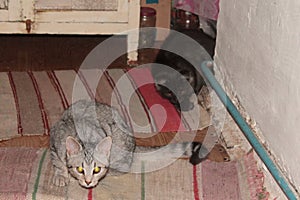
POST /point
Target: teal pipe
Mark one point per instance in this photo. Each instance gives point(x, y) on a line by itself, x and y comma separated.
point(258, 147)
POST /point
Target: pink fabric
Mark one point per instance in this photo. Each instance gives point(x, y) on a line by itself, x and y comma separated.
point(204, 8)
point(16, 168)
point(220, 180)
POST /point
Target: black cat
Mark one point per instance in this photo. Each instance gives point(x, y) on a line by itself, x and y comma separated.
point(181, 80)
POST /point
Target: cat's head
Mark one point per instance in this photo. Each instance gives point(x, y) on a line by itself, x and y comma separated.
point(178, 93)
point(88, 164)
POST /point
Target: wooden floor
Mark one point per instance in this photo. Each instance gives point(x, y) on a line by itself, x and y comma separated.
point(52, 52)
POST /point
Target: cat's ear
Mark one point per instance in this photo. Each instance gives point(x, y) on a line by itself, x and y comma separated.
point(104, 147)
point(72, 146)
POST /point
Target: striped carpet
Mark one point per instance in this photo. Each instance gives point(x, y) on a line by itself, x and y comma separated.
point(27, 173)
point(32, 101)
point(35, 100)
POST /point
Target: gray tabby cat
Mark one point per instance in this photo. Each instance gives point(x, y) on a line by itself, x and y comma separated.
point(89, 139)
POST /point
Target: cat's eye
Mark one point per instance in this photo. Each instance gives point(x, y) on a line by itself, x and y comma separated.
point(80, 170)
point(97, 170)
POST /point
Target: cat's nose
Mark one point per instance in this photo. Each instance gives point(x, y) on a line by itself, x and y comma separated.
point(87, 182)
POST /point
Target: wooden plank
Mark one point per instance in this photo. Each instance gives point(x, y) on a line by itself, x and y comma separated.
point(133, 36)
point(101, 5)
point(82, 16)
point(14, 12)
point(3, 15)
point(49, 52)
point(80, 28)
point(12, 27)
point(66, 14)
point(26, 9)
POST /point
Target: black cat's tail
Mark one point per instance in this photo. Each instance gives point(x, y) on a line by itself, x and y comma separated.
point(199, 153)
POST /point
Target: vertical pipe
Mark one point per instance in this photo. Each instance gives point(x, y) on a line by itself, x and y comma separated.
point(258, 147)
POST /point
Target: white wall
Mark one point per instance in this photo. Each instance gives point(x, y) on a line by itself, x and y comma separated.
point(258, 50)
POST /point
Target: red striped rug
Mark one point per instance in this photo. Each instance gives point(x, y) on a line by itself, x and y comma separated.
point(32, 101)
point(27, 173)
point(35, 100)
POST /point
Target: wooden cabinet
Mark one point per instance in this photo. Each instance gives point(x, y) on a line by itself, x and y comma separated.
point(72, 17)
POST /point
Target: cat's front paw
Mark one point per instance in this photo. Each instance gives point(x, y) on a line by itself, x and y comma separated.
point(60, 181)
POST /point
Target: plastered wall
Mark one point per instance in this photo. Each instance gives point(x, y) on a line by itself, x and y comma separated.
point(258, 52)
